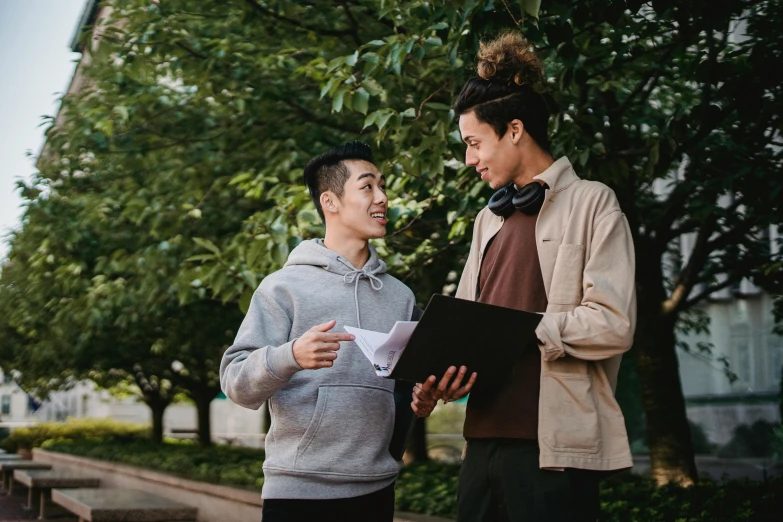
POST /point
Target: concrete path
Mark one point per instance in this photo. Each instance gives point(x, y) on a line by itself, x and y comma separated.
point(717, 468)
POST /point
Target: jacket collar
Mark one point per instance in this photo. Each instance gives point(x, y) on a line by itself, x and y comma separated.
point(559, 176)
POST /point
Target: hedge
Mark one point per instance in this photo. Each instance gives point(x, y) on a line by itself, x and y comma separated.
point(224, 465)
point(429, 488)
point(84, 430)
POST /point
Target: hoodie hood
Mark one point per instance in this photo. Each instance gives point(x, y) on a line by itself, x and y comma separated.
point(314, 253)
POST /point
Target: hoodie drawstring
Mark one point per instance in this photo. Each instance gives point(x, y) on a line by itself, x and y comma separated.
point(353, 278)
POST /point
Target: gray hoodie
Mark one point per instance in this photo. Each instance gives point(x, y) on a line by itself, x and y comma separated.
point(331, 427)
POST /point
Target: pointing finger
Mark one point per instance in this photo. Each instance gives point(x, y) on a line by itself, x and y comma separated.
point(325, 327)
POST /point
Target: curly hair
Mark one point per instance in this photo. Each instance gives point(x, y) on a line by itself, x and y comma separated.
point(510, 75)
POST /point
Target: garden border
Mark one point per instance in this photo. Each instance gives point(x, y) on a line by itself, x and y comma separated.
point(215, 503)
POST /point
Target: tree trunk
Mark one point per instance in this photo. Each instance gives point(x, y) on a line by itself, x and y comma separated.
point(671, 448)
point(203, 399)
point(158, 407)
point(629, 397)
point(417, 445)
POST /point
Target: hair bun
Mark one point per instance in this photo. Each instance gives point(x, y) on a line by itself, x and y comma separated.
point(510, 58)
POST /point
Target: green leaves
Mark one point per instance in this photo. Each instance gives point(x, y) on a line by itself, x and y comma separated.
point(531, 7)
point(361, 100)
point(200, 143)
point(206, 243)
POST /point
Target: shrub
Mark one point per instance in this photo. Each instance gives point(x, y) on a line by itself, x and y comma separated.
point(429, 488)
point(701, 443)
point(750, 441)
point(777, 442)
point(632, 497)
point(93, 430)
point(225, 465)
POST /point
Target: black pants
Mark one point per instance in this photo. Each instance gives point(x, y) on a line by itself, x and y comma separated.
point(500, 481)
point(375, 507)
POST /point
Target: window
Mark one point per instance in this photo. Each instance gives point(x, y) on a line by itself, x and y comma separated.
point(741, 363)
point(6, 405)
point(775, 359)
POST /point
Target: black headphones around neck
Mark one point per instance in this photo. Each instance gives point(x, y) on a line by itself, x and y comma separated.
point(527, 199)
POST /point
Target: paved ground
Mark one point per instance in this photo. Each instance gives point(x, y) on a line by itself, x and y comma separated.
point(12, 508)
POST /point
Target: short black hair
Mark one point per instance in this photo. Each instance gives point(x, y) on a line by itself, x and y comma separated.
point(328, 171)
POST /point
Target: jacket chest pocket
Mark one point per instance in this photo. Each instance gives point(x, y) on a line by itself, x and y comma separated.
point(566, 288)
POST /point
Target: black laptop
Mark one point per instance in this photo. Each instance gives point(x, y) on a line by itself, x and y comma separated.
point(485, 338)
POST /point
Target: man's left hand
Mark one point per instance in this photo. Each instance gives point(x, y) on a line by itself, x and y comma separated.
point(450, 388)
point(424, 398)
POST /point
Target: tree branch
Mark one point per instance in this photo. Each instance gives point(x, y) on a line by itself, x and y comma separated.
point(412, 221)
point(687, 226)
point(190, 51)
point(354, 24)
point(690, 273)
point(672, 208)
point(428, 98)
point(513, 18)
point(647, 85)
point(304, 113)
point(709, 291)
point(296, 23)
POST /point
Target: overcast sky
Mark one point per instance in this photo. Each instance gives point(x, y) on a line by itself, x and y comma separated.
point(36, 65)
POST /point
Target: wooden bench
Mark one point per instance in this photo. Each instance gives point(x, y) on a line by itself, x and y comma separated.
point(9, 466)
point(45, 480)
point(110, 505)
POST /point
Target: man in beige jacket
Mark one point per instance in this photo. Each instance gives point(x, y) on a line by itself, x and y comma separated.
point(551, 243)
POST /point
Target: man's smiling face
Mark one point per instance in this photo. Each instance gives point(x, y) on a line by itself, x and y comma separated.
point(495, 159)
point(361, 210)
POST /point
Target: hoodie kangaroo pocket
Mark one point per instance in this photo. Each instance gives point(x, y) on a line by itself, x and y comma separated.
point(349, 433)
point(570, 422)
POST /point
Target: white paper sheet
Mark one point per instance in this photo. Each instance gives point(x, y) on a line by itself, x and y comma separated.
point(383, 350)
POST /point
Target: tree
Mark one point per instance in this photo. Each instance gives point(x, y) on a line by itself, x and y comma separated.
point(209, 110)
point(103, 287)
point(645, 95)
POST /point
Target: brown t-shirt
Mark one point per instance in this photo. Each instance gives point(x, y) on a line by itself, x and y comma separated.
point(511, 276)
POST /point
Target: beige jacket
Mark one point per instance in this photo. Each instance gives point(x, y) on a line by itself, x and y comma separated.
point(587, 261)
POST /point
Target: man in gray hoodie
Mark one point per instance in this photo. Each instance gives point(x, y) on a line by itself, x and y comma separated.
point(327, 452)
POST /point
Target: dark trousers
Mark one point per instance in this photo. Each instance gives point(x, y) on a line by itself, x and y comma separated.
point(500, 481)
point(375, 507)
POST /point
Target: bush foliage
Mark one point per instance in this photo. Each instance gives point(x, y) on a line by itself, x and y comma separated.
point(83, 430)
point(429, 488)
point(224, 465)
point(756, 440)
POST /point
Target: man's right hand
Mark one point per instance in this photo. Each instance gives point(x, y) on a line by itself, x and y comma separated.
point(317, 348)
